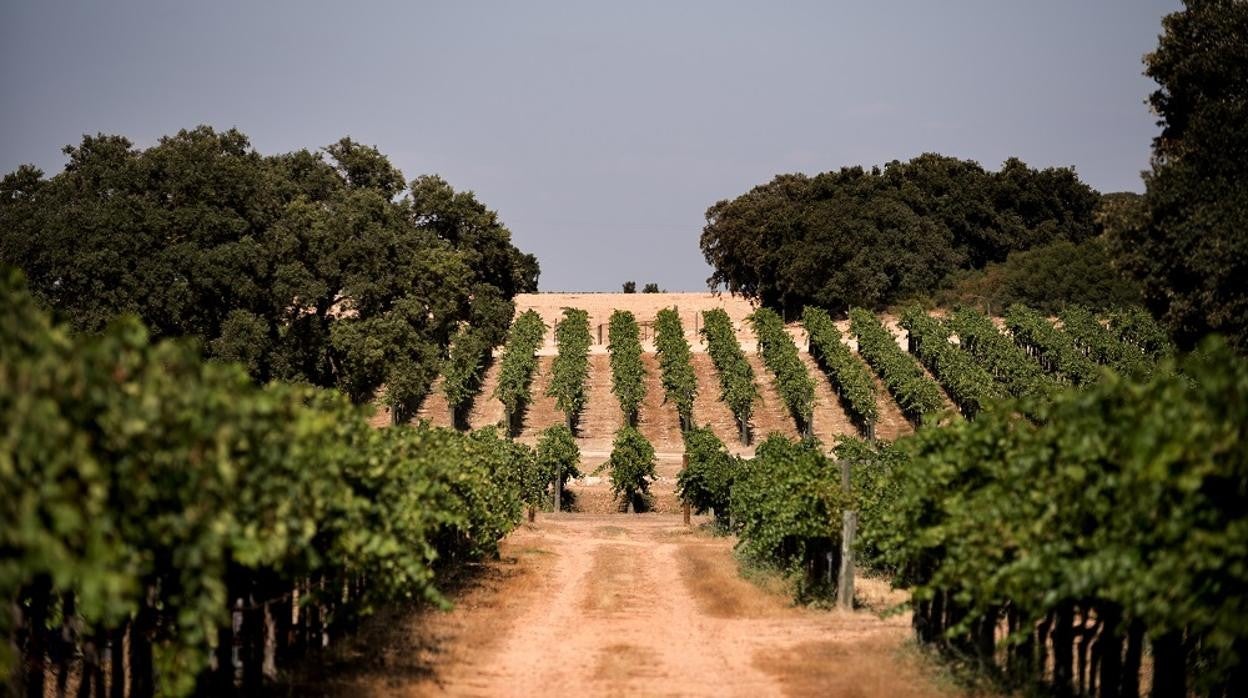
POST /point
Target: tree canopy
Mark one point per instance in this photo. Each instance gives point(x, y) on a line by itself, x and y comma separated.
point(868, 238)
point(1189, 248)
point(315, 266)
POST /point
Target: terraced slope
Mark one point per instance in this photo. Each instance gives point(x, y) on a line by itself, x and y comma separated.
point(602, 415)
point(435, 408)
point(830, 420)
point(709, 410)
point(658, 421)
point(770, 414)
point(541, 411)
point(486, 409)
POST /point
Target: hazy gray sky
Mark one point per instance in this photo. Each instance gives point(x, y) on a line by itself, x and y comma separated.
point(600, 132)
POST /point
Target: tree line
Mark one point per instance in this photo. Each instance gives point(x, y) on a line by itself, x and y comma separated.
point(325, 267)
point(938, 227)
point(869, 237)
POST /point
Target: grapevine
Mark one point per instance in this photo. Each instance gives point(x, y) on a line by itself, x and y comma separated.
point(1136, 327)
point(736, 376)
point(628, 373)
point(155, 488)
point(969, 385)
point(1008, 364)
point(571, 366)
point(632, 467)
point(916, 393)
point(792, 380)
point(845, 372)
point(1116, 513)
point(518, 363)
point(1100, 344)
point(464, 370)
point(680, 383)
point(1051, 347)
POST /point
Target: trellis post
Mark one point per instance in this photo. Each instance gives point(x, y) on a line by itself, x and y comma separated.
point(849, 526)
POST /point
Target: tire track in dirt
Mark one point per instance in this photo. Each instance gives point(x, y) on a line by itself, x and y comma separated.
point(618, 605)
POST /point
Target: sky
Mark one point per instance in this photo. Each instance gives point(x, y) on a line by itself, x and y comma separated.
point(600, 132)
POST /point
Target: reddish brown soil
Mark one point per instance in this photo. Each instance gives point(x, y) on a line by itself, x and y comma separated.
point(658, 421)
point(583, 605)
point(770, 414)
point(708, 409)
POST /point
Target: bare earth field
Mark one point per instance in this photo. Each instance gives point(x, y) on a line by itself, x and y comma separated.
point(624, 605)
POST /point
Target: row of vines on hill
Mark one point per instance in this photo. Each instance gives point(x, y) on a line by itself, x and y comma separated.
point(1084, 552)
point(518, 363)
point(1137, 327)
point(680, 383)
point(1053, 349)
point(464, 370)
point(632, 468)
point(1101, 345)
point(916, 394)
point(1094, 539)
point(628, 373)
point(784, 504)
point(1017, 373)
point(792, 380)
point(736, 376)
point(845, 372)
point(570, 368)
point(968, 384)
point(148, 491)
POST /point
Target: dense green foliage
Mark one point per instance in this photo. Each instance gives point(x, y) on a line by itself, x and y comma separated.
point(875, 489)
point(464, 370)
point(152, 488)
point(680, 383)
point(792, 380)
point(519, 361)
point(571, 366)
point(1101, 345)
point(632, 467)
point(1048, 277)
point(705, 483)
point(1054, 349)
point(786, 503)
point(915, 393)
point(736, 376)
point(1137, 327)
point(968, 384)
point(470, 353)
point(1004, 360)
point(872, 237)
point(1188, 248)
point(557, 457)
point(846, 373)
point(1124, 508)
point(306, 266)
point(628, 373)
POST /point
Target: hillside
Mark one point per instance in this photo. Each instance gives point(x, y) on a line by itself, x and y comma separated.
point(658, 420)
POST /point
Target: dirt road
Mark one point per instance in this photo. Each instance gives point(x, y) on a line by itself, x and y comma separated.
point(620, 605)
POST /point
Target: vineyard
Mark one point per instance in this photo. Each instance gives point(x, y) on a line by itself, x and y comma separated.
point(271, 521)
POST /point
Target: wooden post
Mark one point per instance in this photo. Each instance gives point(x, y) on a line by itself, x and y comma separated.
point(558, 488)
point(849, 525)
point(686, 509)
